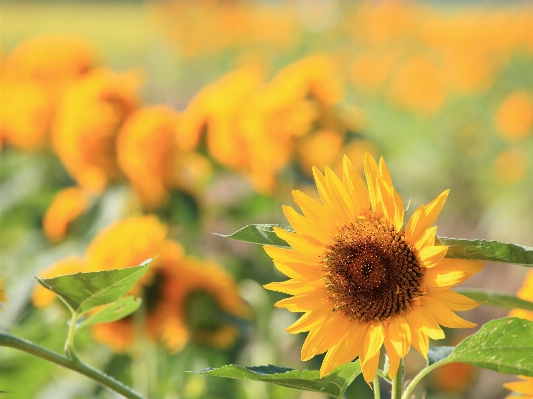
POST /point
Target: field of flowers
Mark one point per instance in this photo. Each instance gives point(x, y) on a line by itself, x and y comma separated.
point(136, 131)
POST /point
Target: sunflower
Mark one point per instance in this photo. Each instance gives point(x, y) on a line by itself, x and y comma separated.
point(524, 387)
point(361, 277)
point(66, 207)
point(525, 293)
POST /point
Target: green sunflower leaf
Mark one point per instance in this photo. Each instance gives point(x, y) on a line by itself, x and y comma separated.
point(82, 292)
point(334, 384)
point(489, 251)
point(116, 311)
point(262, 234)
point(503, 345)
point(494, 298)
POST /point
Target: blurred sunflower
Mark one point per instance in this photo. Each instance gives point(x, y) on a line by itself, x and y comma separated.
point(149, 156)
point(183, 296)
point(525, 293)
point(2, 294)
point(524, 387)
point(361, 278)
point(68, 205)
point(34, 76)
point(86, 124)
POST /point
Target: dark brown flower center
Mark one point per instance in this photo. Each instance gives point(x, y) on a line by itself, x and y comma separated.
point(371, 273)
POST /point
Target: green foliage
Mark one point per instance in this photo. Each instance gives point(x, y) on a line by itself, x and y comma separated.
point(499, 299)
point(334, 384)
point(85, 291)
point(262, 234)
point(503, 345)
point(116, 311)
point(490, 251)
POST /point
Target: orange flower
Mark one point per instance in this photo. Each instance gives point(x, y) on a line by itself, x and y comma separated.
point(87, 122)
point(42, 297)
point(2, 294)
point(34, 77)
point(148, 154)
point(166, 287)
point(67, 206)
point(511, 165)
point(50, 61)
point(25, 114)
point(526, 293)
point(514, 117)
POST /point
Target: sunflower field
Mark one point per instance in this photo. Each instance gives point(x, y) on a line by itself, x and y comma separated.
point(239, 199)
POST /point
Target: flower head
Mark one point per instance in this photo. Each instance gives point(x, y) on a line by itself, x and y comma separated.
point(524, 387)
point(87, 122)
point(362, 278)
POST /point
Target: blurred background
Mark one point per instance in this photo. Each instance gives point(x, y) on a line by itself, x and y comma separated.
point(132, 129)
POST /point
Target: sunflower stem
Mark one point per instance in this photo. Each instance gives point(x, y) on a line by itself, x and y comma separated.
point(409, 389)
point(397, 382)
point(72, 364)
point(377, 394)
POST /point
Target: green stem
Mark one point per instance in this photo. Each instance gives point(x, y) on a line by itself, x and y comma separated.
point(397, 382)
point(377, 394)
point(75, 365)
point(409, 389)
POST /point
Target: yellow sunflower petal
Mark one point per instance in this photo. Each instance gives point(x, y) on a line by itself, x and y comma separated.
point(290, 255)
point(444, 315)
point(325, 335)
point(416, 225)
point(370, 368)
point(427, 239)
point(525, 387)
point(399, 213)
point(293, 287)
point(309, 320)
point(345, 351)
point(299, 271)
point(419, 318)
point(394, 359)
point(420, 341)
point(303, 225)
point(304, 302)
point(453, 300)
point(465, 265)
point(431, 256)
point(373, 341)
point(384, 171)
point(356, 186)
point(315, 211)
point(399, 335)
point(386, 198)
point(372, 173)
point(339, 195)
point(328, 198)
point(301, 243)
point(434, 207)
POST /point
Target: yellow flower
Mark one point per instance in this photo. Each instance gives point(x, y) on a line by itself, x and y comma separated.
point(361, 278)
point(67, 206)
point(525, 293)
point(149, 156)
point(165, 288)
point(87, 122)
point(524, 387)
